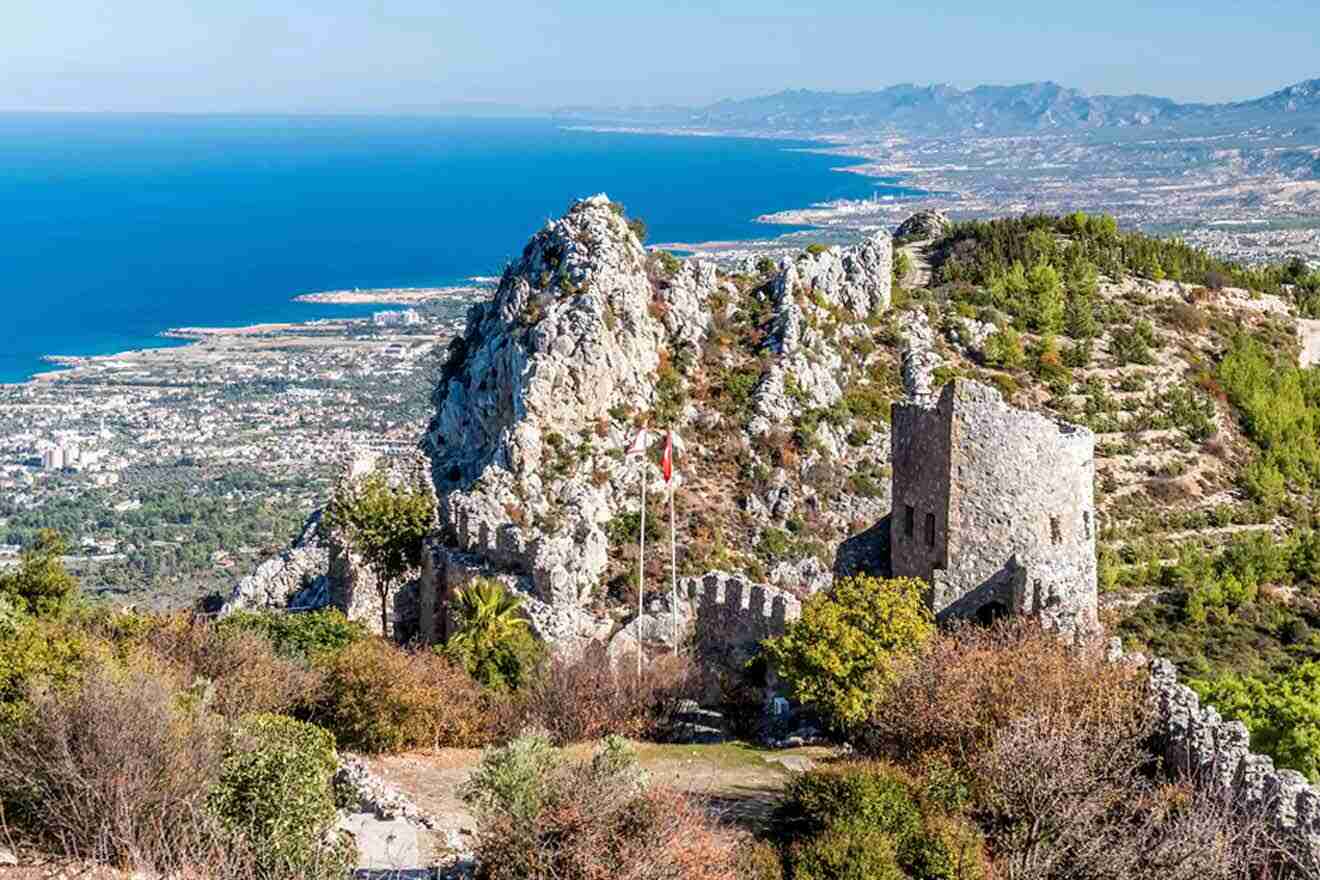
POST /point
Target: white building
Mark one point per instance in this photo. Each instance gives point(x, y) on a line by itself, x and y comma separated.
point(404, 318)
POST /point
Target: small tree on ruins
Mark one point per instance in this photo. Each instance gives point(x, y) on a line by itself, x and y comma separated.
point(385, 523)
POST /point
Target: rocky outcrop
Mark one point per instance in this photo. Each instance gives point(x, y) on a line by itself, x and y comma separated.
point(586, 336)
point(920, 358)
point(924, 225)
point(296, 578)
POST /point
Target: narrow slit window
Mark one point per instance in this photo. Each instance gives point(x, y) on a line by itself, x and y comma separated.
point(909, 521)
point(1056, 535)
point(1086, 524)
point(930, 530)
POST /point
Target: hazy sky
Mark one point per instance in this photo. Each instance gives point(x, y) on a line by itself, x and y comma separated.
point(382, 55)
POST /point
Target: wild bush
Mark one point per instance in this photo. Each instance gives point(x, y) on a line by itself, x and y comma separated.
point(845, 648)
point(541, 819)
point(379, 698)
point(38, 654)
point(1004, 348)
point(242, 671)
point(1282, 713)
point(1280, 407)
point(114, 769)
point(274, 789)
point(1071, 797)
point(298, 636)
point(859, 819)
point(948, 702)
point(579, 697)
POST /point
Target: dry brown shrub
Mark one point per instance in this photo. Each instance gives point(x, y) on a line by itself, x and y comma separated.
point(973, 682)
point(604, 829)
point(245, 672)
point(1187, 318)
point(376, 697)
point(1072, 799)
point(1170, 491)
point(115, 771)
point(586, 696)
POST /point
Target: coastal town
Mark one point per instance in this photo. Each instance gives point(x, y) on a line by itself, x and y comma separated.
point(176, 468)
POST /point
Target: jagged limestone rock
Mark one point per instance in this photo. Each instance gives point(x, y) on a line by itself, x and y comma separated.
point(527, 431)
point(292, 578)
point(1199, 745)
point(924, 225)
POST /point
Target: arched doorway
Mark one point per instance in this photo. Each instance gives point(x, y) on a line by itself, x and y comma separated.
point(990, 612)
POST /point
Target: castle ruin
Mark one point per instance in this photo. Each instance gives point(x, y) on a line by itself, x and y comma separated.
point(995, 507)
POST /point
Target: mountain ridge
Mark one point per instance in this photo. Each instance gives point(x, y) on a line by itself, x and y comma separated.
point(986, 109)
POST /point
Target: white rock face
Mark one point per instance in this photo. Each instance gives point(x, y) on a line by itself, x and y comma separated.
point(532, 409)
point(569, 335)
point(291, 578)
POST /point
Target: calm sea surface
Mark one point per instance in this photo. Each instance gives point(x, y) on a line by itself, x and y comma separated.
point(113, 228)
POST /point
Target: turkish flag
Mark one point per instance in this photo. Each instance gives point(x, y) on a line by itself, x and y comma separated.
point(667, 460)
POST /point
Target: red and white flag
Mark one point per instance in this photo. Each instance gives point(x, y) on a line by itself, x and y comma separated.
point(640, 443)
point(667, 460)
point(673, 444)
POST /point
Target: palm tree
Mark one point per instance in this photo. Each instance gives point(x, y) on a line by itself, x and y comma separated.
point(494, 642)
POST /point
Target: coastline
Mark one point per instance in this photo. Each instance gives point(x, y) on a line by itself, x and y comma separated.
point(396, 296)
point(186, 337)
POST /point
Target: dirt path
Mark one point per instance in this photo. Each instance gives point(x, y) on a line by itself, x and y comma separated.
point(737, 782)
point(917, 252)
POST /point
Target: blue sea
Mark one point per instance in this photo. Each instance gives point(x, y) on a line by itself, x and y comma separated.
point(114, 228)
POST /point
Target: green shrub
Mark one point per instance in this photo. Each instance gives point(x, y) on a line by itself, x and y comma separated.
point(1003, 348)
point(493, 642)
point(840, 653)
point(816, 248)
point(35, 654)
point(872, 794)
point(1282, 713)
point(275, 789)
point(944, 849)
point(304, 635)
point(513, 780)
point(40, 584)
point(847, 851)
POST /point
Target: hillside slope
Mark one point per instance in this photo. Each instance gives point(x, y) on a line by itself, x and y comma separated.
point(777, 377)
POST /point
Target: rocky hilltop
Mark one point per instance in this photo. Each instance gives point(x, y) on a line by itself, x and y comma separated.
point(588, 338)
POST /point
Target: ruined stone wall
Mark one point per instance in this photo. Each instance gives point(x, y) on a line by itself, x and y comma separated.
point(920, 480)
point(995, 506)
point(1199, 744)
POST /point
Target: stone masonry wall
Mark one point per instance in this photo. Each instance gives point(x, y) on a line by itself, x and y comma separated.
point(994, 506)
point(1202, 746)
point(920, 462)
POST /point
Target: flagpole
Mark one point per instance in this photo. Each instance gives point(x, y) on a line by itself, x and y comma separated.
point(673, 566)
point(641, 567)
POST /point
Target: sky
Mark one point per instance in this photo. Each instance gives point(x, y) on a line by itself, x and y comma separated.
point(417, 55)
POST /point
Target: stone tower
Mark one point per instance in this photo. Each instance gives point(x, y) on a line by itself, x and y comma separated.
point(995, 507)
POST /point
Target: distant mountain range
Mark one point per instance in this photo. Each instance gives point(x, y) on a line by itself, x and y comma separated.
point(943, 109)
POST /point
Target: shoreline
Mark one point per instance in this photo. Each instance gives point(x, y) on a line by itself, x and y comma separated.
point(396, 296)
point(189, 336)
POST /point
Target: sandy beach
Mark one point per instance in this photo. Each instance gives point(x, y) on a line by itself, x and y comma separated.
point(399, 296)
